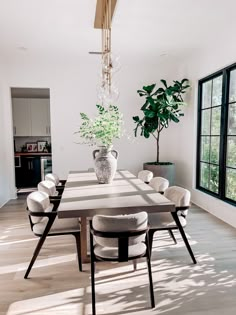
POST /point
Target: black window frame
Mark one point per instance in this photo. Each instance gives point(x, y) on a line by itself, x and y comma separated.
point(225, 72)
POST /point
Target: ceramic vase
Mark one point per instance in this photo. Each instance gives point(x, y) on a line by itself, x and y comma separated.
point(105, 160)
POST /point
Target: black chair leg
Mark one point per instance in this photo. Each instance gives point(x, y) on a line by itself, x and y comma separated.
point(135, 264)
point(172, 236)
point(78, 246)
point(150, 239)
point(148, 258)
point(92, 260)
point(40, 244)
point(176, 218)
point(35, 255)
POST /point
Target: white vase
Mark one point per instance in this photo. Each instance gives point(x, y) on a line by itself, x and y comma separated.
point(105, 164)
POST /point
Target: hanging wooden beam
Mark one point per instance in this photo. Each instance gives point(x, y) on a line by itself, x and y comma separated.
point(101, 12)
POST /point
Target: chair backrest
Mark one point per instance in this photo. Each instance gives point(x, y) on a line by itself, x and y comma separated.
point(120, 223)
point(145, 176)
point(160, 184)
point(181, 198)
point(48, 187)
point(53, 177)
point(38, 201)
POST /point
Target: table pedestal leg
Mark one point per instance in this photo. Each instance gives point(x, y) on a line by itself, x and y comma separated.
point(84, 249)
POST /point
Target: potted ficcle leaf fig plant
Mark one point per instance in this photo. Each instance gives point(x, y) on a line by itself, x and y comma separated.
point(162, 106)
point(101, 131)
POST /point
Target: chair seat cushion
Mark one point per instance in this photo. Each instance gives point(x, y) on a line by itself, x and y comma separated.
point(163, 220)
point(59, 226)
point(112, 252)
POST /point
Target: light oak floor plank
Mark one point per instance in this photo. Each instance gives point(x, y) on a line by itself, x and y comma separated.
point(57, 287)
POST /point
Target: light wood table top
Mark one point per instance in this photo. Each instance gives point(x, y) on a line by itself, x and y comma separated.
point(84, 197)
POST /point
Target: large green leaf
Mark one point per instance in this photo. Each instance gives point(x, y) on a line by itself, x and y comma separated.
point(164, 82)
point(136, 118)
point(184, 80)
point(141, 93)
point(174, 118)
point(145, 105)
point(146, 133)
point(149, 113)
point(149, 88)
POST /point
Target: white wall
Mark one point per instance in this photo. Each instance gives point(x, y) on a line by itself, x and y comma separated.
point(72, 90)
point(7, 181)
point(183, 135)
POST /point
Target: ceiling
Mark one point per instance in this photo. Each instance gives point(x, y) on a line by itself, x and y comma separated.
point(63, 29)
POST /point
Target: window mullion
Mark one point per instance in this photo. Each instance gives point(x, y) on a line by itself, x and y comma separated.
point(223, 134)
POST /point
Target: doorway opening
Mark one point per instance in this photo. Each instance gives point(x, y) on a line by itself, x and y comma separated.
point(31, 136)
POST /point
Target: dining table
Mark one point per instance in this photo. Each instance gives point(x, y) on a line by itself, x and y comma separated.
point(83, 197)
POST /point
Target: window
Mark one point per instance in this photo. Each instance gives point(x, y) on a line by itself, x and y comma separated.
point(216, 152)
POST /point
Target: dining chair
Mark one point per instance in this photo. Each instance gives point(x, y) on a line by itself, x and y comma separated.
point(160, 184)
point(44, 222)
point(119, 238)
point(60, 183)
point(175, 220)
point(145, 176)
point(50, 188)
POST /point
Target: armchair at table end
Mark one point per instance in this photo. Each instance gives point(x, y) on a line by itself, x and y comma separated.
point(44, 222)
point(175, 220)
point(145, 176)
point(119, 238)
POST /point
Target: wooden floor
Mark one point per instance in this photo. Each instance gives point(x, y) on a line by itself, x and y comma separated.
point(57, 287)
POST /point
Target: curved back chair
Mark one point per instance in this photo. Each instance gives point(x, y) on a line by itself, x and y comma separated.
point(175, 220)
point(48, 187)
point(181, 198)
point(119, 238)
point(160, 184)
point(145, 176)
point(55, 179)
point(44, 222)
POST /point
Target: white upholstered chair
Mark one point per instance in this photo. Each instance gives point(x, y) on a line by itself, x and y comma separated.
point(119, 238)
point(55, 179)
point(160, 184)
point(175, 220)
point(44, 222)
point(49, 187)
point(145, 176)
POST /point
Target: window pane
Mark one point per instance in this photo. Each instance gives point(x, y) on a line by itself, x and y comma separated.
point(206, 94)
point(205, 149)
point(206, 115)
point(232, 119)
point(231, 184)
point(215, 149)
point(214, 178)
point(217, 91)
point(231, 152)
point(215, 120)
point(204, 173)
point(232, 86)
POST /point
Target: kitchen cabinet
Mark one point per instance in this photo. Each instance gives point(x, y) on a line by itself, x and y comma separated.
point(29, 173)
point(21, 117)
point(31, 117)
point(40, 117)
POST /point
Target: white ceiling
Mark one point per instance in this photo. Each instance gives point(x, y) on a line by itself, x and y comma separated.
point(61, 29)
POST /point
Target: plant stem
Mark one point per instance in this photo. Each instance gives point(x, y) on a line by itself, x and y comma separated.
point(157, 139)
